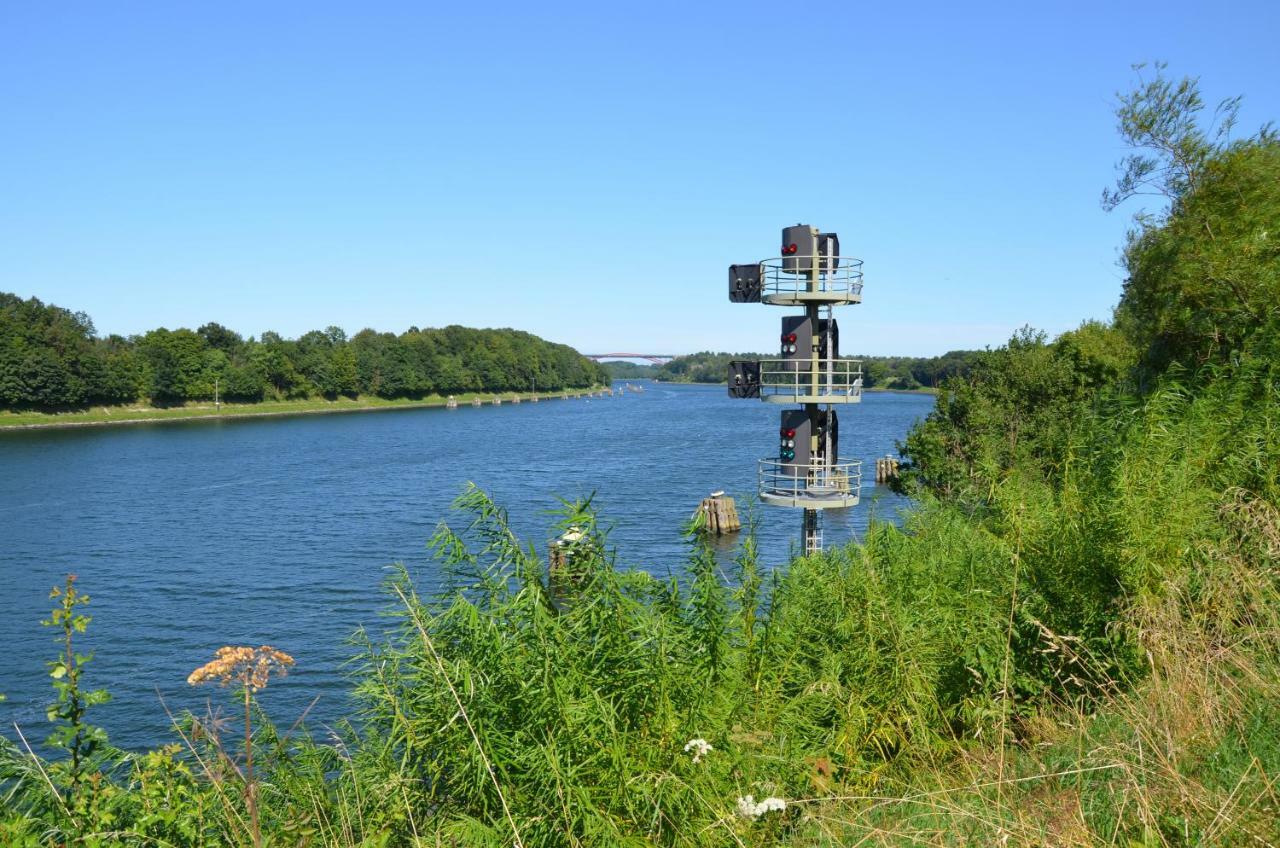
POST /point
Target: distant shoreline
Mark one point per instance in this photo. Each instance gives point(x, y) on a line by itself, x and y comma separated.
point(102, 416)
point(923, 390)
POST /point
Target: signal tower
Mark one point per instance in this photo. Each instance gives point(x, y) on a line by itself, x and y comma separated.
point(807, 472)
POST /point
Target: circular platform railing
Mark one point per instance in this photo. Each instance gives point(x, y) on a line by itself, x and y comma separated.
point(811, 486)
point(807, 381)
point(791, 280)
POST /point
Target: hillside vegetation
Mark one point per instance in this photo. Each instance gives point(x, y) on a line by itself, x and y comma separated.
point(52, 359)
point(1073, 640)
point(623, 370)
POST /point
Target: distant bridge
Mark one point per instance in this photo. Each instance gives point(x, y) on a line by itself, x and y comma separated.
point(655, 358)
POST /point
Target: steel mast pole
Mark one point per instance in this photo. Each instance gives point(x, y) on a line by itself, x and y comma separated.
point(811, 522)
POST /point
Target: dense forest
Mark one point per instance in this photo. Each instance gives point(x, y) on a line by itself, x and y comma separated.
point(1073, 639)
point(621, 369)
point(52, 358)
point(881, 372)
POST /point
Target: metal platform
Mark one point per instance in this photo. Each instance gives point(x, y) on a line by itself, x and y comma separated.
point(833, 281)
point(807, 381)
point(813, 486)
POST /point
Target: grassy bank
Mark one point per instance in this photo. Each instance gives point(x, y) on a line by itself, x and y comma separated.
point(139, 414)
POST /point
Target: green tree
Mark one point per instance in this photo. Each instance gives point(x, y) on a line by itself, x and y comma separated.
point(1206, 270)
point(125, 377)
point(177, 364)
point(220, 338)
point(343, 378)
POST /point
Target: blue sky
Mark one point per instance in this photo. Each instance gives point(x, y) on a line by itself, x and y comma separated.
point(583, 171)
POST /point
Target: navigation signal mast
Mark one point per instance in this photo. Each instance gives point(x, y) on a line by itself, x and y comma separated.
point(807, 473)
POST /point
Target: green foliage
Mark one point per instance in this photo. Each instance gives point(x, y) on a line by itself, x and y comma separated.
point(50, 359)
point(1018, 408)
point(507, 689)
point(46, 355)
point(72, 734)
point(1207, 270)
point(623, 370)
point(177, 364)
point(163, 802)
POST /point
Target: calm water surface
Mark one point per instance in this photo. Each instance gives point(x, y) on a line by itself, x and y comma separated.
point(280, 531)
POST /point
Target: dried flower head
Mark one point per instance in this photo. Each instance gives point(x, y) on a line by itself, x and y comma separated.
point(250, 667)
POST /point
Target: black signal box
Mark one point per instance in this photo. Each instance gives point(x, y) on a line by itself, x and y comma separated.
point(746, 283)
point(744, 379)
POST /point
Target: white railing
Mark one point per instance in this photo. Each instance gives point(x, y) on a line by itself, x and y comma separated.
point(814, 482)
point(835, 381)
point(793, 276)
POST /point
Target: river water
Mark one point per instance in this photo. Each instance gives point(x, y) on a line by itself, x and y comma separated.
point(280, 531)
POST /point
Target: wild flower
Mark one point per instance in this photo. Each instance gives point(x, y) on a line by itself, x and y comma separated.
point(700, 748)
point(749, 809)
point(250, 667)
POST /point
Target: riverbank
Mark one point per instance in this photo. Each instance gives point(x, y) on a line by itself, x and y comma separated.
point(113, 416)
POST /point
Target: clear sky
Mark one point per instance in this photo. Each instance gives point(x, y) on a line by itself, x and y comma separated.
point(585, 172)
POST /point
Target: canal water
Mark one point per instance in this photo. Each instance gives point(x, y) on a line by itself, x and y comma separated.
point(280, 531)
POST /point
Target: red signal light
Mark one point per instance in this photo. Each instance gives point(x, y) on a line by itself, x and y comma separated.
point(791, 338)
point(789, 434)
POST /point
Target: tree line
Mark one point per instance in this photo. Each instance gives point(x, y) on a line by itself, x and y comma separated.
point(53, 358)
point(883, 372)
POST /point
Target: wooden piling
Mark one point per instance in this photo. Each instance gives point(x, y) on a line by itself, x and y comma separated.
point(451, 403)
point(720, 514)
point(566, 570)
point(886, 470)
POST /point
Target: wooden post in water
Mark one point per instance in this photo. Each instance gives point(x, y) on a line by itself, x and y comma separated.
point(886, 470)
point(720, 514)
point(451, 403)
point(565, 571)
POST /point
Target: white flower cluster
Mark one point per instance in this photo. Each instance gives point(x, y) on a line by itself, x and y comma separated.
point(700, 748)
point(749, 809)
